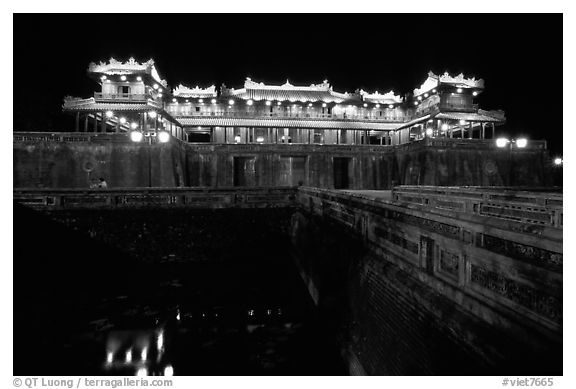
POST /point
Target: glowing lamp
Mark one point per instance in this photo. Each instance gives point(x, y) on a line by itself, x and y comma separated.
point(462, 122)
point(174, 100)
point(521, 143)
point(122, 120)
point(558, 161)
point(160, 90)
point(390, 106)
point(213, 101)
point(415, 103)
point(260, 139)
point(279, 103)
point(160, 95)
point(237, 139)
point(249, 102)
point(474, 93)
point(459, 90)
point(377, 105)
point(501, 142)
point(155, 86)
point(109, 357)
point(142, 372)
point(144, 353)
point(129, 356)
point(187, 100)
point(136, 136)
point(425, 94)
point(109, 114)
point(444, 127)
point(103, 77)
point(433, 90)
point(230, 102)
point(123, 78)
point(419, 98)
point(268, 102)
point(152, 114)
point(168, 371)
point(324, 105)
point(200, 100)
point(310, 104)
point(134, 125)
point(138, 78)
point(163, 137)
point(429, 131)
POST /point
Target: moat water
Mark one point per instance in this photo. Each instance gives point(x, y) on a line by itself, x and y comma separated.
point(80, 310)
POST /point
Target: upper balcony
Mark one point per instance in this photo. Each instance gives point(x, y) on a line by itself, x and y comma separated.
point(286, 115)
point(99, 96)
point(457, 107)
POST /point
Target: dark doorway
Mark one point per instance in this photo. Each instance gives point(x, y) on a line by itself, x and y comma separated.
point(341, 179)
point(199, 138)
point(244, 171)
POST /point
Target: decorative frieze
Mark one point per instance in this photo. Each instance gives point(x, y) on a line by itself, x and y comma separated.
point(541, 303)
point(521, 251)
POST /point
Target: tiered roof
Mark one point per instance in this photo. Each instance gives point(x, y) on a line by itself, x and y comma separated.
point(287, 92)
point(114, 67)
point(459, 81)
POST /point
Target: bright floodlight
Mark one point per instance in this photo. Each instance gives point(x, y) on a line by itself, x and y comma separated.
point(429, 131)
point(163, 136)
point(136, 136)
point(109, 114)
point(152, 114)
point(134, 125)
point(557, 161)
point(501, 142)
point(230, 102)
point(122, 120)
point(522, 142)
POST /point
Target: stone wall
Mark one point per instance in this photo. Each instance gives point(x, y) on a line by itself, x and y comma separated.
point(410, 291)
point(73, 160)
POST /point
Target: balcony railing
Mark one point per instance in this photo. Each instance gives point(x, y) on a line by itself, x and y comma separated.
point(120, 96)
point(285, 115)
point(458, 107)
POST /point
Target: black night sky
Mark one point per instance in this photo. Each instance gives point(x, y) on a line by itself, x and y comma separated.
point(518, 56)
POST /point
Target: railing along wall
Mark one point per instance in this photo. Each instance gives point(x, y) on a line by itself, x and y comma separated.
point(525, 206)
point(64, 199)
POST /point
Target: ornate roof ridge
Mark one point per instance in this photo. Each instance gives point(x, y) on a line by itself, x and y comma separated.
point(434, 80)
point(184, 91)
point(322, 87)
point(390, 95)
point(114, 66)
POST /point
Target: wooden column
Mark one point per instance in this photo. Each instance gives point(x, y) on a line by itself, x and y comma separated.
point(103, 122)
point(471, 134)
point(77, 122)
point(95, 122)
point(493, 130)
point(483, 133)
point(86, 123)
